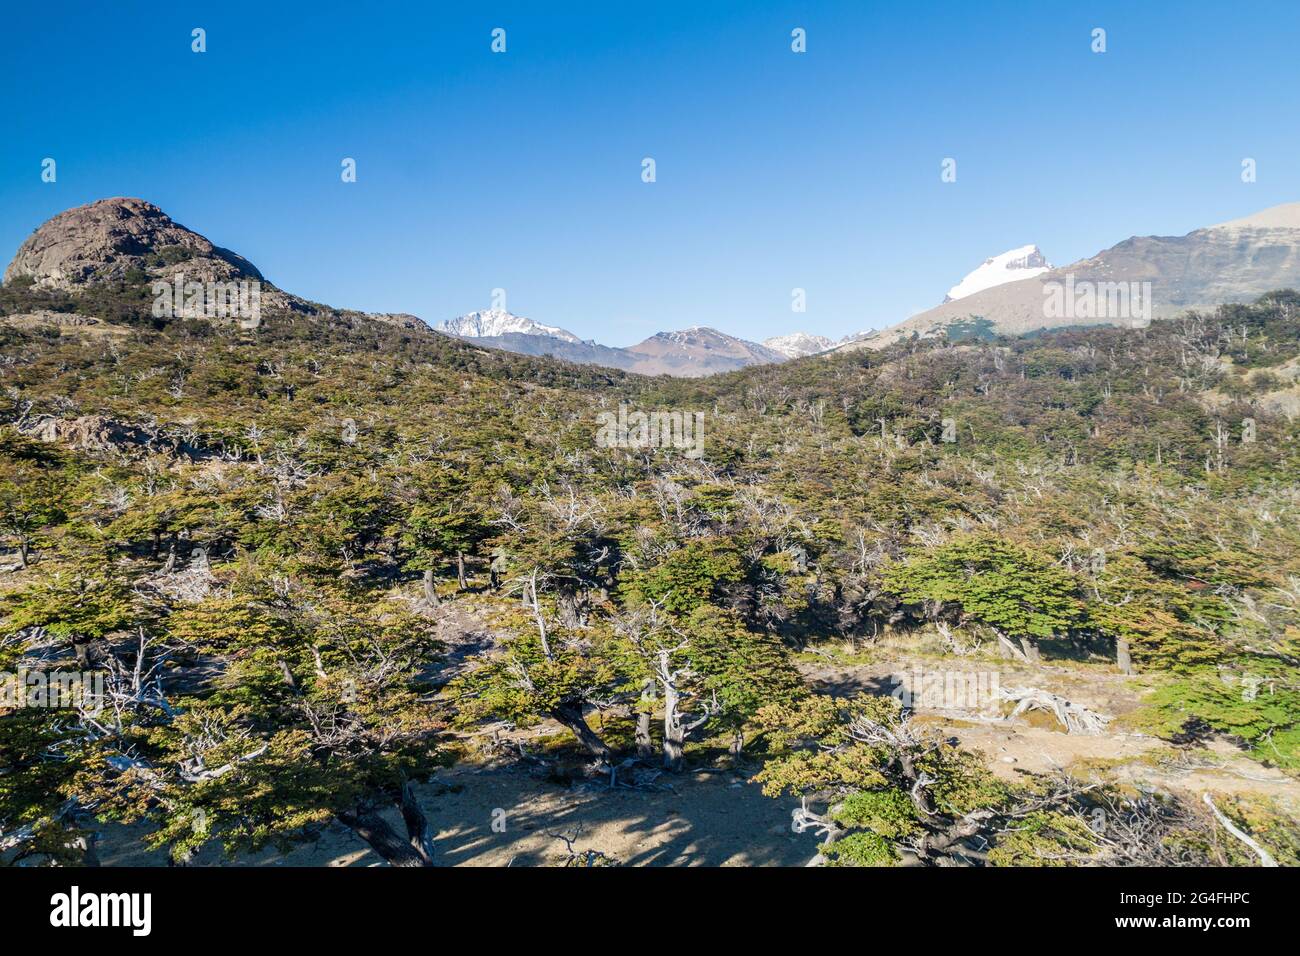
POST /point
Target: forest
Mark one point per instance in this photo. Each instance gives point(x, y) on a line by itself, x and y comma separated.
point(270, 546)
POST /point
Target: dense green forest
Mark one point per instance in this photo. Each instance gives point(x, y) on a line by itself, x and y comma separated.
point(258, 537)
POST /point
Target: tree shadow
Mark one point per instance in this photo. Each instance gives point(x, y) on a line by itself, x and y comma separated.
point(506, 816)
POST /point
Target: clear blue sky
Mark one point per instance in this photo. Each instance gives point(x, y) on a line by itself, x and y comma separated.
point(775, 170)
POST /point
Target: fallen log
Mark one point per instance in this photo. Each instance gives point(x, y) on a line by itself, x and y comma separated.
point(1074, 718)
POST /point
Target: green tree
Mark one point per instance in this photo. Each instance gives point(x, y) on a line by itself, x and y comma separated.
point(1011, 589)
point(320, 714)
point(29, 503)
point(442, 523)
point(547, 673)
point(896, 790)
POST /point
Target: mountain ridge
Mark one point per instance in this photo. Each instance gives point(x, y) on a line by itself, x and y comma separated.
point(1232, 262)
point(125, 238)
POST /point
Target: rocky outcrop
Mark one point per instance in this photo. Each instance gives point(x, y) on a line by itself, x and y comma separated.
point(111, 238)
point(403, 320)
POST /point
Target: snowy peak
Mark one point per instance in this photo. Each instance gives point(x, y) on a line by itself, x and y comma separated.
point(491, 323)
point(1013, 265)
point(688, 352)
point(798, 344)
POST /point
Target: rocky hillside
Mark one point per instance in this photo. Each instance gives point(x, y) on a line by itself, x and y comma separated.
point(115, 238)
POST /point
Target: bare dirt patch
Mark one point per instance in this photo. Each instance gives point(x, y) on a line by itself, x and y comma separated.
point(705, 819)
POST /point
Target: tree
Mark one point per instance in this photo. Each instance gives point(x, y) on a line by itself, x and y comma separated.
point(29, 503)
point(897, 791)
point(707, 670)
point(442, 523)
point(170, 512)
point(319, 713)
point(551, 674)
point(556, 541)
point(1011, 589)
point(688, 577)
point(1151, 620)
point(41, 751)
point(80, 603)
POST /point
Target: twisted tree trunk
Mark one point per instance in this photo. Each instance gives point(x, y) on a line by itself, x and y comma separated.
point(570, 715)
point(674, 731)
point(415, 850)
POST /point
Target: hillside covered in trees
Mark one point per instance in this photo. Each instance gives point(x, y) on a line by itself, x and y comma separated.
point(272, 543)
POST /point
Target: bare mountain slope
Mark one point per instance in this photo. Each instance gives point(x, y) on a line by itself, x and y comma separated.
point(1234, 261)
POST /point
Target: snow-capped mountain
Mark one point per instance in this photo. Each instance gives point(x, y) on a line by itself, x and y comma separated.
point(687, 352)
point(1022, 263)
point(1233, 261)
point(798, 344)
point(491, 323)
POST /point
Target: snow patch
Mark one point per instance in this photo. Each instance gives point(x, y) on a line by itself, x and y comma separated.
point(490, 323)
point(1024, 262)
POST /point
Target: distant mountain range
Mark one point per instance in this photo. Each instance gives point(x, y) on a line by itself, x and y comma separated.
point(1008, 294)
point(687, 353)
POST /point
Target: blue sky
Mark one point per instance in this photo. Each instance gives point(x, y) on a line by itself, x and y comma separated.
point(775, 170)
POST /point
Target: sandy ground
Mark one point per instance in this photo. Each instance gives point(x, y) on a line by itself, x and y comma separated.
point(1039, 745)
point(715, 817)
point(707, 819)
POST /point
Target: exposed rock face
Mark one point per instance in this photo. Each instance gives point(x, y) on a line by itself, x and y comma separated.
point(68, 320)
point(105, 240)
point(403, 320)
point(67, 323)
point(1231, 262)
